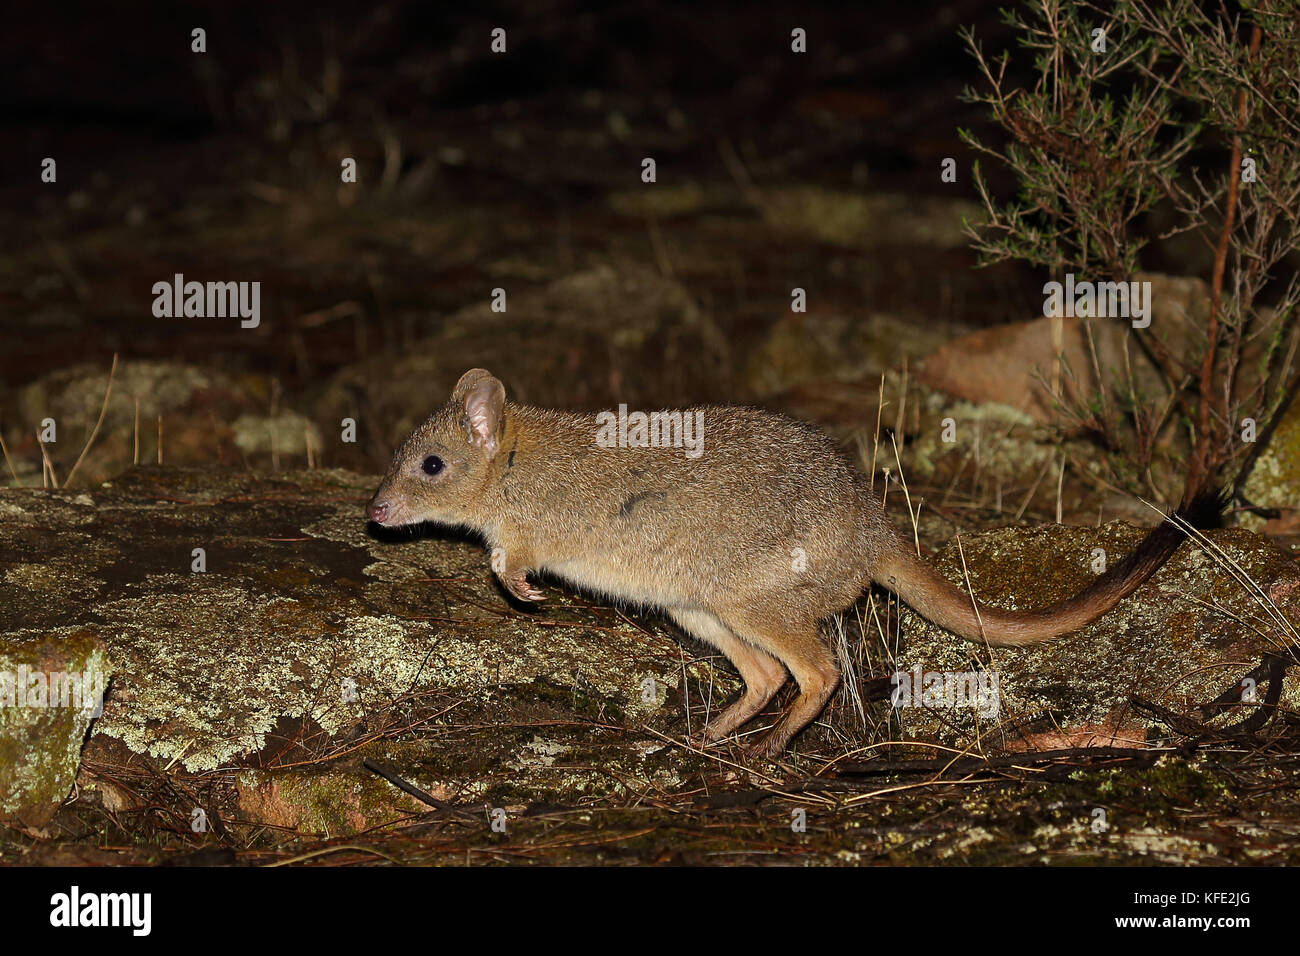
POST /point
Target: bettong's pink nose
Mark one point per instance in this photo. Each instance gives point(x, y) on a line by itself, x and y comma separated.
point(377, 511)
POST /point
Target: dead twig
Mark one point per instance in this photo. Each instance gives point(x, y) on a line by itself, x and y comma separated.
point(413, 790)
point(95, 431)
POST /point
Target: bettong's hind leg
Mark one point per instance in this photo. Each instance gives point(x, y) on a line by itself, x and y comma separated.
point(762, 673)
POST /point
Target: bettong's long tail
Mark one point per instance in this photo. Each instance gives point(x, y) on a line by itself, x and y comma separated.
point(939, 600)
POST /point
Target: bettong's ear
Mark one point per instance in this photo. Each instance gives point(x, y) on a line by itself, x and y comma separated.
point(484, 400)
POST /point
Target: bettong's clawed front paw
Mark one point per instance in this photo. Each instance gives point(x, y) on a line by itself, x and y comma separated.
point(516, 582)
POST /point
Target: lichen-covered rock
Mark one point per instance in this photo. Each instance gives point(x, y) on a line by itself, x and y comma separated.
point(73, 395)
point(194, 403)
point(629, 336)
point(229, 601)
point(867, 219)
point(1179, 641)
point(508, 770)
point(287, 433)
point(321, 802)
point(254, 626)
point(803, 348)
point(992, 440)
point(52, 682)
point(1274, 482)
point(665, 201)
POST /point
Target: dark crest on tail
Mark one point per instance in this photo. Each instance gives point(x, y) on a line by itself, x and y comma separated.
point(1204, 511)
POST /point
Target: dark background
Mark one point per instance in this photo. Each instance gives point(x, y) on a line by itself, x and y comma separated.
point(149, 133)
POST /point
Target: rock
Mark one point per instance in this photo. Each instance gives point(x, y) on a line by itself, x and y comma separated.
point(960, 446)
point(51, 684)
point(194, 404)
point(322, 802)
point(469, 772)
point(1274, 482)
point(991, 441)
point(867, 220)
point(300, 616)
point(592, 339)
point(1013, 364)
point(664, 201)
point(807, 350)
point(1008, 364)
point(1165, 643)
point(74, 395)
point(288, 433)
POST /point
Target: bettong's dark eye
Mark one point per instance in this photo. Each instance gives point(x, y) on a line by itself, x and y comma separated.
point(432, 465)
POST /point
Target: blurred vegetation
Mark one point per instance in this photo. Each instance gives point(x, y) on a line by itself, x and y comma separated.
point(1181, 113)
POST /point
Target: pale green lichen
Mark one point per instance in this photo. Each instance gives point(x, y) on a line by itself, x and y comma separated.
point(288, 433)
point(1275, 480)
point(40, 746)
point(867, 219)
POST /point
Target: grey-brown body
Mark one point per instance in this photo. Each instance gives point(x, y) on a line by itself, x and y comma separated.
point(651, 526)
point(750, 546)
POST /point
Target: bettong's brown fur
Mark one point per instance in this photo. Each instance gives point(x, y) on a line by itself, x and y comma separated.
point(749, 547)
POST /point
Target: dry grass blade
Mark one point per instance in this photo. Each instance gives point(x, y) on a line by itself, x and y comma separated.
point(48, 477)
point(333, 849)
point(94, 431)
point(5, 450)
point(912, 513)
